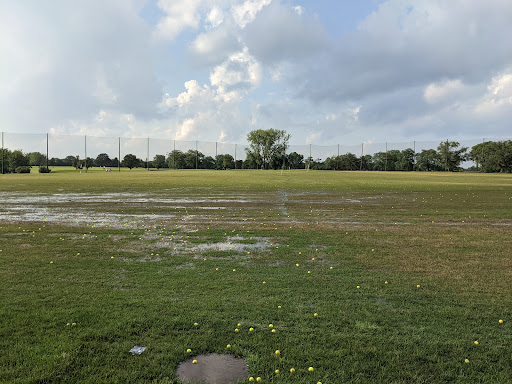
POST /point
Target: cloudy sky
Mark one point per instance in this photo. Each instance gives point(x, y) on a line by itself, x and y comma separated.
point(326, 71)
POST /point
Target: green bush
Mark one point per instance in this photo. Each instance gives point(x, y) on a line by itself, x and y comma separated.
point(44, 170)
point(22, 169)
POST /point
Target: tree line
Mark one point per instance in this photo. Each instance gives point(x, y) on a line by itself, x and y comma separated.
point(268, 150)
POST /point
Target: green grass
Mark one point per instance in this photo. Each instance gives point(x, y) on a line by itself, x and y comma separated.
point(146, 281)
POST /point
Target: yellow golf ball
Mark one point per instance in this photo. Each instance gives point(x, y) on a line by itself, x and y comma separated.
point(277, 352)
point(251, 378)
point(194, 361)
point(311, 369)
point(292, 370)
point(189, 350)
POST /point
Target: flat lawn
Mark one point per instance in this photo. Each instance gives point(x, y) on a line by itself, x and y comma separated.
point(409, 275)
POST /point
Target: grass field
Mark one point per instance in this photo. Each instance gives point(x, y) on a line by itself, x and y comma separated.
point(409, 275)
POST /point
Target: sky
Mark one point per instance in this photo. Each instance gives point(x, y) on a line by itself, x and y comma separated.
point(325, 71)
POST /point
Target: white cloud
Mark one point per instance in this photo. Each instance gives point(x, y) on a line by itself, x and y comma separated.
point(246, 12)
point(215, 17)
point(237, 75)
point(186, 130)
point(498, 97)
point(179, 15)
point(443, 91)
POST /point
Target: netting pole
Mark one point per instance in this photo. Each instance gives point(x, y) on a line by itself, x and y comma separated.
point(174, 154)
point(414, 146)
point(362, 151)
point(386, 163)
point(446, 157)
point(216, 157)
point(119, 157)
point(147, 158)
point(196, 156)
point(2, 152)
point(85, 152)
point(338, 159)
point(47, 151)
point(481, 162)
point(235, 156)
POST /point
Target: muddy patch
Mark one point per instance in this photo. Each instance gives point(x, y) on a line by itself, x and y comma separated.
point(213, 368)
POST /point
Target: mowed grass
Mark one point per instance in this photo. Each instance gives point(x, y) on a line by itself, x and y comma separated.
point(405, 271)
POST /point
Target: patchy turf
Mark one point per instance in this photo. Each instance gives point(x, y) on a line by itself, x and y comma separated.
point(405, 271)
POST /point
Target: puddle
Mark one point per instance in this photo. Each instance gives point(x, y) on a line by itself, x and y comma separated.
point(214, 368)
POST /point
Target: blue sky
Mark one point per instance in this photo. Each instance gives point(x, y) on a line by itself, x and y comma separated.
point(212, 70)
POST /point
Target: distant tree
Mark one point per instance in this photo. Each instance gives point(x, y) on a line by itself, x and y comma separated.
point(428, 160)
point(493, 156)
point(208, 163)
point(451, 155)
point(366, 163)
point(18, 159)
point(176, 159)
point(253, 160)
point(130, 161)
point(405, 160)
point(5, 155)
point(159, 161)
point(37, 158)
point(193, 159)
point(89, 163)
point(228, 162)
point(295, 160)
point(265, 144)
point(76, 162)
point(103, 160)
point(219, 159)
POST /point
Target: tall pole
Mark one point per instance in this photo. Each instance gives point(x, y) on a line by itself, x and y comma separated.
point(386, 163)
point(446, 157)
point(174, 154)
point(196, 156)
point(481, 162)
point(216, 165)
point(147, 158)
point(362, 151)
point(85, 152)
point(2, 152)
point(338, 159)
point(47, 151)
point(119, 157)
point(235, 156)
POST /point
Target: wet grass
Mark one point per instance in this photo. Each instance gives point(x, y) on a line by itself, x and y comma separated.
point(405, 272)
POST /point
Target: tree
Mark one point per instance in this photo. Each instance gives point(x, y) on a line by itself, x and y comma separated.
point(295, 161)
point(428, 160)
point(130, 161)
point(176, 159)
point(228, 162)
point(451, 155)
point(18, 159)
point(37, 158)
point(159, 161)
point(493, 156)
point(405, 160)
point(208, 163)
point(103, 160)
point(193, 159)
point(76, 162)
point(265, 144)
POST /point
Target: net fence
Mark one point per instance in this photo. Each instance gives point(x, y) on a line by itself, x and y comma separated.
point(145, 149)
